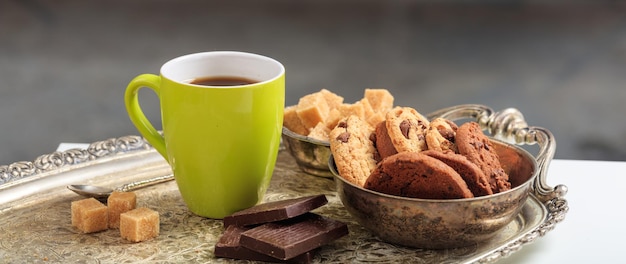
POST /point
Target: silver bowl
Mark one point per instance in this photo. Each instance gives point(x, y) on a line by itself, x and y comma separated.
point(441, 224)
point(310, 154)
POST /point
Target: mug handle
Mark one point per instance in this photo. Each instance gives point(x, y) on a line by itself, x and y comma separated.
point(131, 99)
point(509, 125)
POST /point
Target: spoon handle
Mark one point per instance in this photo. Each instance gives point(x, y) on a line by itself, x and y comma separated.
point(144, 183)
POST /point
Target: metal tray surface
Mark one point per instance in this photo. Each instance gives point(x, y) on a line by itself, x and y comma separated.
point(36, 221)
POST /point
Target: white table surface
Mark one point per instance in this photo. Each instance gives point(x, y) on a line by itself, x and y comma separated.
point(595, 224)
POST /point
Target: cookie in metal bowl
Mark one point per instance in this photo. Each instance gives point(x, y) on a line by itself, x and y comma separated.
point(453, 223)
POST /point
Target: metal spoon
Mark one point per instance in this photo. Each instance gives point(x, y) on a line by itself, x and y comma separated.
point(99, 192)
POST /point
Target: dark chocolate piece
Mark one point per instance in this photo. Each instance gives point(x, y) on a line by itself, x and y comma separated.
point(275, 211)
point(289, 238)
point(228, 247)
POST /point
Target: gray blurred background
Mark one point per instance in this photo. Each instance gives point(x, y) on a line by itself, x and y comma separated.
point(64, 64)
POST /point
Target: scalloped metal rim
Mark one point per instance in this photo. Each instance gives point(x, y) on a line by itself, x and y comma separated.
point(21, 170)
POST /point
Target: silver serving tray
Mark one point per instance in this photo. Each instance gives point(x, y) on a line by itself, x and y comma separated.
point(35, 224)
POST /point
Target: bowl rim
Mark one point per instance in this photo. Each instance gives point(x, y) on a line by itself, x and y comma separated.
point(333, 169)
point(311, 140)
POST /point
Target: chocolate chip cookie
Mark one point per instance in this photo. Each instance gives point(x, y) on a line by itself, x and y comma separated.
point(477, 148)
point(441, 135)
point(475, 179)
point(415, 175)
point(403, 131)
point(352, 146)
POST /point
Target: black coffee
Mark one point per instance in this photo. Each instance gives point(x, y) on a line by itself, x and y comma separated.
point(222, 81)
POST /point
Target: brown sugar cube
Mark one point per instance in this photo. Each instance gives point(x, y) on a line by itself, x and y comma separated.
point(333, 118)
point(353, 109)
point(333, 100)
point(375, 119)
point(292, 121)
point(320, 132)
point(118, 203)
point(367, 107)
point(89, 215)
point(312, 109)
point(380, 99)
point(139, 224)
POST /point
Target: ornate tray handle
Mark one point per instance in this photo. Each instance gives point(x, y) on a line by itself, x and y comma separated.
point(509, 125)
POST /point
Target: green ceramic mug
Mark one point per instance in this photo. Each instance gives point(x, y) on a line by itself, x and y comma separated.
point(221, 141)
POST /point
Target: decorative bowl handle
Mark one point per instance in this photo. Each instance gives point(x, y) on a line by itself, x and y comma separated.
point(509, 125)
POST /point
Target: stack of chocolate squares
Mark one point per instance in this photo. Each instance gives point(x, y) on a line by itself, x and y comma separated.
point(281, 231)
